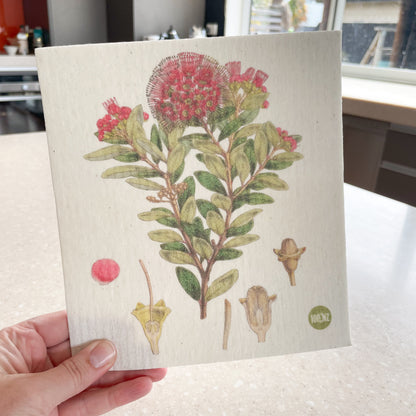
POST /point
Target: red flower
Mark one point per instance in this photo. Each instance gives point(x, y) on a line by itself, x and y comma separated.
point(257, 78)
point(184, 87)
point(292, 142)
point(251, 76)
point(289, 139)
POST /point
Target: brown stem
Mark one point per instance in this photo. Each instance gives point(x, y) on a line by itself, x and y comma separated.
point(219, 245)
point(204, 289)
point(176, 213)
point(227, 323)
point(149, 285)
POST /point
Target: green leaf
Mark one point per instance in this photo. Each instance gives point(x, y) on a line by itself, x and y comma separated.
point(196, 229)
point(235, 151)
point(178, 173)
point(174, 246)
point(163, 137)
point(215, 222)
point(254, 101)
point(173, 137)
point(297, 138)
point(230, 128)
point(154, 215)
point(205, 206)
point(247, 131)
point(114, 137)
point(215, 165)
point(251, 155)
point(188, 210)
point(241, 240)
point(244, 229)
point(135, 129)
point(277, 164)
point(128, 157)
point(254, 198)
point(176, 257)
point(221, 201)
point(272, 134)
point(211, 182)
point(242, 165)
point(175, 158)
point(245, 218)
point(220, 114)
point(257, 186)
point(151, 148)
point(248, 116)
point(155, 138)
point(108, 152)
point(145, 184)
point(195, 136)
point(189, 191)
point(261, 146)
point(202, 247)
point(168, 221)
point(222, 284)
point(205, 146)
point(125, 171)
point(288, 156)
point(238, 142)
point(272, 181)
point(228, 254)
point(189, 282)
point(164, 236)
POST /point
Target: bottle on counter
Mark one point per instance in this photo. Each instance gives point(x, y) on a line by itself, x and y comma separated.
point(22, 41)
point(37, 37)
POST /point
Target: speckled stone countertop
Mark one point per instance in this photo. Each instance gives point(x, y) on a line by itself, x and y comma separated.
point(376, 376)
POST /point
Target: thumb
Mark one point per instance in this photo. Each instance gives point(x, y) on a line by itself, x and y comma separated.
point(75, 374)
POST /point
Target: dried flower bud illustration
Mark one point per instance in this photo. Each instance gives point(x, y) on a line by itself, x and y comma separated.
point(289, 254)
point(258, 310)
point(151, 316)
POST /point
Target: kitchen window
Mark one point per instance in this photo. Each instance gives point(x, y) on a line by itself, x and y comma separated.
point(379, 36)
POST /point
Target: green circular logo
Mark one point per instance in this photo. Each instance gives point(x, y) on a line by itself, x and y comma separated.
point(320, 317)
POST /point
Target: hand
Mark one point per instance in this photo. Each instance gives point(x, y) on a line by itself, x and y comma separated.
point(38, 376)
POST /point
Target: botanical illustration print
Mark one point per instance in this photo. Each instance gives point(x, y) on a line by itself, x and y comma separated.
point(203, 110)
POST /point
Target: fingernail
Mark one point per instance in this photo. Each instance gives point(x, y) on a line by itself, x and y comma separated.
point(103, 353)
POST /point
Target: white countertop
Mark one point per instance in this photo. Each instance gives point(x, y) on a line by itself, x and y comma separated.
point(376, 376)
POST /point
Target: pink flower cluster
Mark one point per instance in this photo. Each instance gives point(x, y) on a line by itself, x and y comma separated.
point(115, 114)
point(256, 77)
point(184, 87)
point(289, 139)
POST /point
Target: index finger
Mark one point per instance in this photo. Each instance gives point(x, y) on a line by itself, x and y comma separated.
point(52, 327)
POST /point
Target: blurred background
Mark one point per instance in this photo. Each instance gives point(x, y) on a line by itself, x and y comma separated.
point(379, 45)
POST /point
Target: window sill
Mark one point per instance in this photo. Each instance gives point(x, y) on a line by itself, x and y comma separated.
point(379, 100)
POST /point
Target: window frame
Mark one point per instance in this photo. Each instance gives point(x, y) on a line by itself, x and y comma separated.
point(237, 22)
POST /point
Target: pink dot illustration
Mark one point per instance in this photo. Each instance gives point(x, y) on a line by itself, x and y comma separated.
point(105, 271)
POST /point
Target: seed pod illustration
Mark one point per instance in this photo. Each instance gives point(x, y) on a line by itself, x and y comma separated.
point(151, 316)
point(258, 310)
point(289, 254)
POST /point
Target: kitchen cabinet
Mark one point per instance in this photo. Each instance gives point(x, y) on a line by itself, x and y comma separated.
point(133, 19)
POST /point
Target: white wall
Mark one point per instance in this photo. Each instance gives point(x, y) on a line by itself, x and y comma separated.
point(77, 21)
point(155, 16)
